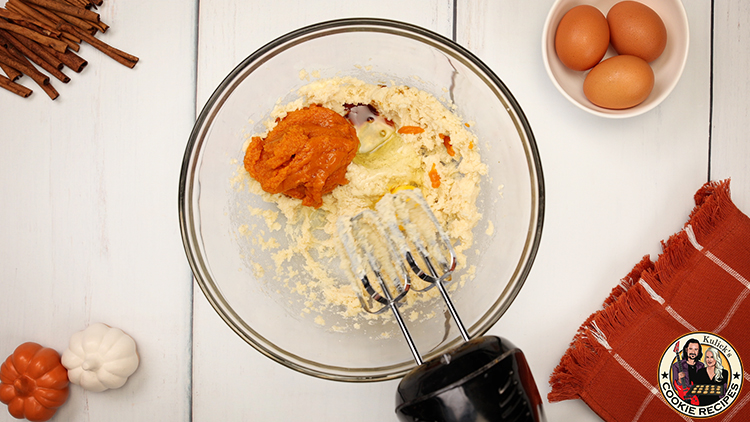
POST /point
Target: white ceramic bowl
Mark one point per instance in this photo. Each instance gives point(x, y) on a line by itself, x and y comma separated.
point(667, 68)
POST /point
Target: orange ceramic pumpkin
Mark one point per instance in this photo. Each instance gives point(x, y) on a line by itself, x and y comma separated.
point(33, 382)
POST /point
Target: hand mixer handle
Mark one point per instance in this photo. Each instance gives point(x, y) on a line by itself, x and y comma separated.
point(485, 379)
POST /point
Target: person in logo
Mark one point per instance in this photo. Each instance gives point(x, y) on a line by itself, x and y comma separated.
point(685, 370)
point(712, 374)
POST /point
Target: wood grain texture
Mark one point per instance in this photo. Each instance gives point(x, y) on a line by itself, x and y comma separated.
point(89, 212)
point(615, 188)
point(731, 98)
point(230, 31)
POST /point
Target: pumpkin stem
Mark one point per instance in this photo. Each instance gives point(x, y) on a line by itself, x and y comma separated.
point(91, 364)
point(24, 386)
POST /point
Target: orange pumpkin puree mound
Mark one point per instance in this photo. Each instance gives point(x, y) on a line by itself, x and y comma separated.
point(305, 156)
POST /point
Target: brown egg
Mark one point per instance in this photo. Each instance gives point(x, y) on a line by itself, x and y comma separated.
point(582, 37)
point(637, 30)
point(619, 82)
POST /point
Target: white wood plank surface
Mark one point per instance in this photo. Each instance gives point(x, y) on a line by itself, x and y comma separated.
point(230, 31)
point(88, 214)
point(88, 199)
point(730, 149)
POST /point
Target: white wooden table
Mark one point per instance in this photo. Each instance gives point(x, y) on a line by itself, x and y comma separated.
point(88, 199)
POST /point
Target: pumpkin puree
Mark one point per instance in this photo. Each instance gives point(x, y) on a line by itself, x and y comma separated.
point(305, 156)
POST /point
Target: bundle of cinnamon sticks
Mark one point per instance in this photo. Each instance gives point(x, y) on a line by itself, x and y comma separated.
point(46, 35)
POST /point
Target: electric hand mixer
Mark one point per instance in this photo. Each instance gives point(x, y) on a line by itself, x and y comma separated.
point(486, 378)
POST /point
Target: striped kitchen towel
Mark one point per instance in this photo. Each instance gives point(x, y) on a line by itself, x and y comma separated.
point(670, 341)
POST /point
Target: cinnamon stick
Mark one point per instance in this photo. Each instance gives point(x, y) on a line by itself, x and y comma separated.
point(79, 3)
point(70, 37)
point(17, 55)
point(50, 91)
point(33, 56)
point(33, 20)
point(13, 87)
point(11, 15)
point(70, 59)
point(47, 32)
point(41, 50)
point(28, 33)
point(40, 28)
point(84, 25)
point(119, 56)
point(33, 23)
point(67, 8)
point(13, 74)
point(101, 26)
point(69, 40)
point(42, 15)
point(72, 45)
point(29, 12)
point(49, 16)
point(41, 79)
point(89, 26)
point(58, 16)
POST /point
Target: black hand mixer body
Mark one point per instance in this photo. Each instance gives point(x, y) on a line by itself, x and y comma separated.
point(484, 379)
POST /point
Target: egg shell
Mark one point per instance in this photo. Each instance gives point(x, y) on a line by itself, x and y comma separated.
point(619, 82)
point(636, 29)
point(582, 37)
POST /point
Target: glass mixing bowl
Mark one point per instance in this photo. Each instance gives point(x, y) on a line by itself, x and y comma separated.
point(236, 277)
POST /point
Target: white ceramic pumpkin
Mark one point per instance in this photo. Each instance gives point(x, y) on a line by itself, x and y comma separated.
point(100, 358)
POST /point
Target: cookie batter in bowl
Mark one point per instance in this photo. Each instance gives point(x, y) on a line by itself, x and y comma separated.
point(428, 143)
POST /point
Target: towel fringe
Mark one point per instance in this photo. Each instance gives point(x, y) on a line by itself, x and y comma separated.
point(587, 351)
point(575, 368)
point(713, 205)
point(629, 280)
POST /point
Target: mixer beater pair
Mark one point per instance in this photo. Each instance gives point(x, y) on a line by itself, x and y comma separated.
point(484, 379)
point(383, 245)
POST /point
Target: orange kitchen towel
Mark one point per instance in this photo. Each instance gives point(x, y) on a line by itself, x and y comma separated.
point(670, 341)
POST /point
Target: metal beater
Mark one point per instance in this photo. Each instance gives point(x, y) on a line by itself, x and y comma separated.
point(484, 379)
